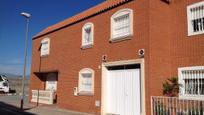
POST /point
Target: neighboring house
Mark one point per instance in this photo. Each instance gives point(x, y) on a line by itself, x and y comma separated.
point(113, 57)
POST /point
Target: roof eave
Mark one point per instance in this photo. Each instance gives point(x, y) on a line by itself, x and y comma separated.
point(81, 19)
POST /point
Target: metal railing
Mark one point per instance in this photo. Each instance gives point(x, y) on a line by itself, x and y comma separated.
point(192, 81)
point(43, 96)
point(175, 106)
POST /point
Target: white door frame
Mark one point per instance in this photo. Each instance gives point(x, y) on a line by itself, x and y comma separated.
point(104, 85)
point(47, 81)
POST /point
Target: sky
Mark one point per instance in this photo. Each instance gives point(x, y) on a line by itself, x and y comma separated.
point(13, 26)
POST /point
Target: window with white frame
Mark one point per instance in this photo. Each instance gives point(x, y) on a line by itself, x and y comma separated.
point(87, 35)
point(192, 82)
point(45, 47)
point(86, 81)
point(195, 13)
point(122, 24)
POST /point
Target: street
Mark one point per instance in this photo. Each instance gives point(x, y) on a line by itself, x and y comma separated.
point(9, 106)
point(6, 109)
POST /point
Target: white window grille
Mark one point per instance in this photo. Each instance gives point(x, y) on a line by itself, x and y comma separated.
point(45, 47)
point(87, 35)
point(195, 13)
point(86, 81)
point(192, 82)
point(122, 24)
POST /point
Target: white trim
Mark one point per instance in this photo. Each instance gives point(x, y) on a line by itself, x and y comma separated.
point(104, 74)
point(190, 17)
point(85, 70)
point(118, 14)
point(48, 50)
point(191, 68)
point(88, 45)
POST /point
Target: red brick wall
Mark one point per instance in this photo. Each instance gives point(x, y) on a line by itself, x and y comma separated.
point(170, 46)
point(159, 49)
point(186, 51)
point(159, 28)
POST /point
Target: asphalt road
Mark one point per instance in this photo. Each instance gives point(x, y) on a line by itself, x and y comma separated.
point(7, 111)
point(7, 107)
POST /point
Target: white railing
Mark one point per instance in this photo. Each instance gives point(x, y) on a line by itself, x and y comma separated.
point(175, 106)
point(43, 96)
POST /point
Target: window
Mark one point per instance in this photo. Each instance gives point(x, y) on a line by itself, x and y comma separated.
point(45, 47)
point(86, 81)
point(87, 35)
point(122, 24)
point(195, 15)
point(192, 82)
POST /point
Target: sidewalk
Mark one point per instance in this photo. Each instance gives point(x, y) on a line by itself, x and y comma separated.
point(37, 110)
point(52, 110)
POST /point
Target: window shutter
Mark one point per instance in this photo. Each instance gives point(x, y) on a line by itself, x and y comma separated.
point(122, 24)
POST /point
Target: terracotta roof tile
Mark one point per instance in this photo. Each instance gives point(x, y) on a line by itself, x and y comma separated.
point(92, 11)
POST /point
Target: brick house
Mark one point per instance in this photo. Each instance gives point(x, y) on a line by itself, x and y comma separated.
point(113, 57)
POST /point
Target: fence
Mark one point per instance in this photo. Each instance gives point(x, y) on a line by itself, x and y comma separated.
point(43, 96)
point(175, 106)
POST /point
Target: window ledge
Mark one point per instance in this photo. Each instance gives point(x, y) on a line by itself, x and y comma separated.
point(192, 97)
point(121, 38)
point(86, 93)
point(195, 33)
point(44, 56)
point(87, 46)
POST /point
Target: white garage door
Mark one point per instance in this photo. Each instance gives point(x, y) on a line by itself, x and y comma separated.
point(123, 92)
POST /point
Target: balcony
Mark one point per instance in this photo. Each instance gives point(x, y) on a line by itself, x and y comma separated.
point(43, 96)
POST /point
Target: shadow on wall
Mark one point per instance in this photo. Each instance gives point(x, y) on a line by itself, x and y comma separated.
point(7, 109)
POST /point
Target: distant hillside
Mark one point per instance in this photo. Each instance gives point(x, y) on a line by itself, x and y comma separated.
point(13, 75)
point(10, 75)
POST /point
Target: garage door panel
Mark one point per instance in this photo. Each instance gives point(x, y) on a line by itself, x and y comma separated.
point(115, 95)
point(123, 92)
point(136, 93)
point(129, 93)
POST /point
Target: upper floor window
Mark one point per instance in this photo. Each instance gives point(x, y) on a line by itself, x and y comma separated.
point(86, 81)
point(195, 13)
point(122, 24)
point(87, 35)
point(192, 82)
point(45, 47)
